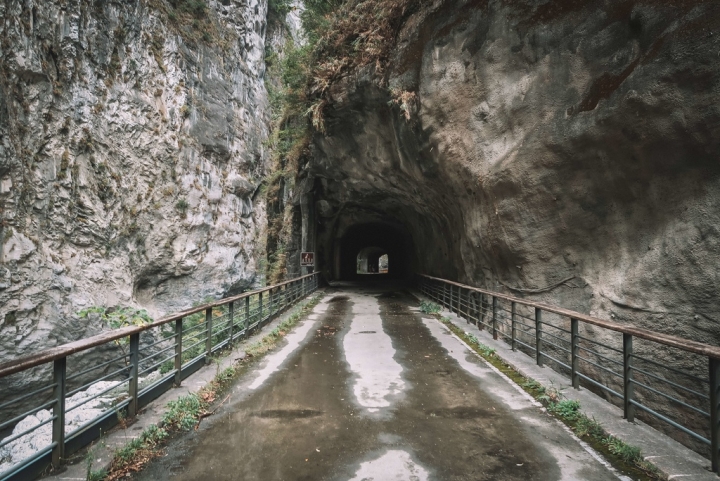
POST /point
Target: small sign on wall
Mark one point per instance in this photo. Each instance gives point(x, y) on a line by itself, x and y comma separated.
point(307, 259)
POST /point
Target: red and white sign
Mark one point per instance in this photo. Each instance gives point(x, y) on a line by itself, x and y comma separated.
point(307, 259)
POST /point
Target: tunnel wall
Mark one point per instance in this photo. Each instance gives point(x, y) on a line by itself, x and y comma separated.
point(562, 151)
point(543, 145)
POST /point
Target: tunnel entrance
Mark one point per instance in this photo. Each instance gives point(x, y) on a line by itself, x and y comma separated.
point(372, 260)
point(373, 248)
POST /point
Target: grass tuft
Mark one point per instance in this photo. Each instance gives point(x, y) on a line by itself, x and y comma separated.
point(186, 412)
point(627, 456)
point(429, 307)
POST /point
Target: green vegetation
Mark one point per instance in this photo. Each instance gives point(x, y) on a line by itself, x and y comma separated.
point(429, 307)
point(134, 455)
point(279, 8)
point(90, 473)
point(342, 36)
point(276, 269)
point(184, 412)
point(627, 457)
point(187, 412)
point(195, 332)
point(566, 408)
point(118, 317)
point(486, 351)
point(182, 206)
point(288, 86)
point(269, 341)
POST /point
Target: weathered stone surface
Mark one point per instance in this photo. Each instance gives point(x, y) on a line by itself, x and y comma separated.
point(119, 139)
point(546, 140)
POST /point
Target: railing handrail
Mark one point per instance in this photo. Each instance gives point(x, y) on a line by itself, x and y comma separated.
point(26, 362)
point(666, 339)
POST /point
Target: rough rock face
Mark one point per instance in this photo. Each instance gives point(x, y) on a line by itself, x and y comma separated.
point(131, 146)
point(545, 140)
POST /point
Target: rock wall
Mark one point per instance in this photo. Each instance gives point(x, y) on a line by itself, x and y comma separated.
point(131, 149)
point(545, 142)
point(527, 143)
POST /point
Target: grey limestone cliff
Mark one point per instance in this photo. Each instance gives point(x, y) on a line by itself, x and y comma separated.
point(131, 148)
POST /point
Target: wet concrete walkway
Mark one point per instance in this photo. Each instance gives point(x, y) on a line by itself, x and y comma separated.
point(369, 388)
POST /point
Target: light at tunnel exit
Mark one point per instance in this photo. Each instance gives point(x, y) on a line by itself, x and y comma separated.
point(372, 260)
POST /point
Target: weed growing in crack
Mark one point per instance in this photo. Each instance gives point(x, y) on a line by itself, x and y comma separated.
point(429, 307)
point(567, 410)
point(186, 412)
point(91, 474)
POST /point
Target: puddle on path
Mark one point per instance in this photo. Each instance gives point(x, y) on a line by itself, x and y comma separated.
point(378, 377)
point(304, 422)
point(394, 465)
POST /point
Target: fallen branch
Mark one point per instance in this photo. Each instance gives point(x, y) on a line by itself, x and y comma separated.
point(206, 414)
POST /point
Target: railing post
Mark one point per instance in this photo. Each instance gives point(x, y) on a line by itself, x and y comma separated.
point(494, 318)
point(134, 370)
point(231, 315)
point(467, 305)
point(178, 351)
point(247, 317)
point(513, 321)
point(628, 386)
point(458, 303)
point(482, 311)
point(715, 413)
point(574, 351)
point(538, 336)
point(271, 304)
point(260, 310)
point(208, 341)
point(58, 432)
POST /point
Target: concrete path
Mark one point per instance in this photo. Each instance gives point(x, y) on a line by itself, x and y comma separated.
point(368, 388)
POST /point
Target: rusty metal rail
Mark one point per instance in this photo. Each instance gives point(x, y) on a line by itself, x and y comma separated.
point(675, 381)
point(141, 369)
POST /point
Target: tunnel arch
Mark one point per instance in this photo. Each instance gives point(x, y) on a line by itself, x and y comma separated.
point(374, 239)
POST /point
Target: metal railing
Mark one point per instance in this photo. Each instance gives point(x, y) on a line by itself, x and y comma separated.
point(673, 380)
point(145, 361)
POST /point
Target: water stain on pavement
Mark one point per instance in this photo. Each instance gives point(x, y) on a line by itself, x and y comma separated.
point(304, 422)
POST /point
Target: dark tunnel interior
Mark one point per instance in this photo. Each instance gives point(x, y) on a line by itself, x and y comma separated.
point(367, 243)
point(368, 260)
